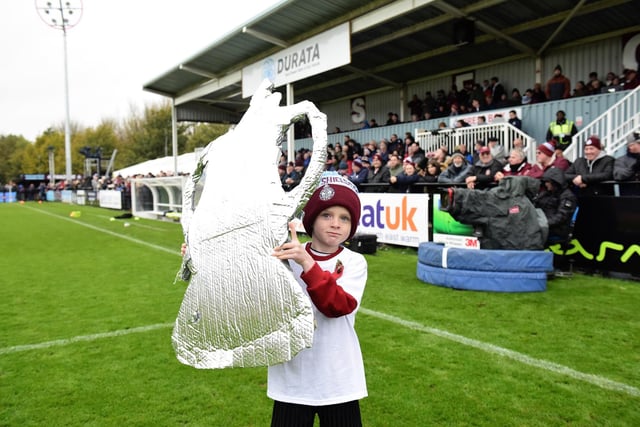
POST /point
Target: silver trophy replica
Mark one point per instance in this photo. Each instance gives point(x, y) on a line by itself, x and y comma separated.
point(243, 307)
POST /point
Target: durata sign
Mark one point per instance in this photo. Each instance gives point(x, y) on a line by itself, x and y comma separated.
point(316, 55)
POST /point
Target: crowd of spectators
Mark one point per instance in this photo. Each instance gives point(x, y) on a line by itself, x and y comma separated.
point(491, 94)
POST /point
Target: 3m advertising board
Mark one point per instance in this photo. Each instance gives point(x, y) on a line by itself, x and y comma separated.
point(315, 55)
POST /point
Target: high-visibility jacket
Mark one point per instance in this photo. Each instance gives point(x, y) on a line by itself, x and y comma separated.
point(562, 132)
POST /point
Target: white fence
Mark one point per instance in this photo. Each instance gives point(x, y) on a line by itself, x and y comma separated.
point(451, 138)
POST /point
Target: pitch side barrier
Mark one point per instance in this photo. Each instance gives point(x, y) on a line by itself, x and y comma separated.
point(606, 235)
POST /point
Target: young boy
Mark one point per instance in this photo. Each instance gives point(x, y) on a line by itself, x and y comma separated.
point(328, 378)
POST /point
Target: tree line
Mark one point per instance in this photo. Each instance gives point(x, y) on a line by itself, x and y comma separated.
point(142, 136)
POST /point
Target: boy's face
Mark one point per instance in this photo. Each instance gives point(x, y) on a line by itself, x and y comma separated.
point(331, 228)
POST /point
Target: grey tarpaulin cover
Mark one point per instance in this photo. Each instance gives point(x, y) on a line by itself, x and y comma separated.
point(243, 307)
point(506, 214)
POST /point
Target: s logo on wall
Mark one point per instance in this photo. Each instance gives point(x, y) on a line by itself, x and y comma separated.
point(358, 110)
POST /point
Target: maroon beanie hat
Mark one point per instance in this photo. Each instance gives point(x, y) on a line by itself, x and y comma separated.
point(333, 190)
point(547, 148)
point(593, 141)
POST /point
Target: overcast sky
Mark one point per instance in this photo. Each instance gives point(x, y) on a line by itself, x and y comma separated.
point(116, 47)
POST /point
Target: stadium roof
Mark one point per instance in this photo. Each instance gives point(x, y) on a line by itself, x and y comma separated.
point(392, 43)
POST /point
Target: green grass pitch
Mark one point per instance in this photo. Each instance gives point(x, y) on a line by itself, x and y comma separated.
point(87, 305)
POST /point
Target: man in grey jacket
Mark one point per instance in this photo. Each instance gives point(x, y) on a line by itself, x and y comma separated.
point(589, 171)
point(457, 171)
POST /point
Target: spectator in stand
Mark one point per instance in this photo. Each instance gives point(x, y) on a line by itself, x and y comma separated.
point(580, 90)
point(441, 155)
point(546, 157)
point(457, 171)
point(337, 154)
point(428, 171)
point(378, 174)
point(406, 152)
point(562, 130)
point(527, 98)
point(462, 149)
point(282, 170)
point(484, 171)
point(503, 102)
point(343, 168)
point(593, 76)
point(594, 167)
point(415, 106)
point(366, 163)
point(519, 144)
point(299, 167)
point(476, 107)
point(394, 165)
point(370, 148)
point(482, 120)
point(497, 118)
point(627, 167)
point(538, 94)
point(610, 76)
point(389, 118)
point(557, 202)
point(416, 153)
point(596, 88)
point(517, 165)
point(402, 182)
point(514, 120)
point(359, 173)
point(373, 123)
point(461, 124)
point(516, 98)
point(429, 103)
point(630, 80)
point(497, 90)
point(497, 150)
point(395, 145)
point(476, 151)
point(291, 178)
point(476, 93)
point(558, 86)
point(395, 120)
point(383, 151)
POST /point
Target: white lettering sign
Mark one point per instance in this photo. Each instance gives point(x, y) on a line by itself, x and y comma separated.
point(318, 54)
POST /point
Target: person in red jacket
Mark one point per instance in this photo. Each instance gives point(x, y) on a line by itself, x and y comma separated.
point(558, 86)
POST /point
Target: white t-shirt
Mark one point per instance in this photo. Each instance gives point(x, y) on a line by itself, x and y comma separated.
point(332, 370)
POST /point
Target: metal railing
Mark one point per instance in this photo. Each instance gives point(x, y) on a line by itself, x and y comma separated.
point(451, 138)
point(613, 127)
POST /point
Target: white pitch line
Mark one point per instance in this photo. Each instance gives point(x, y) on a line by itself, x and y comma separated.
point(109, 232)
point(81, 338)
point(519, 357)
point(489, 348)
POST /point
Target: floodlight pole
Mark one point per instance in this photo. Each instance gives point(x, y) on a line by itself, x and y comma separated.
point(63, 17)
point(52, 168)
